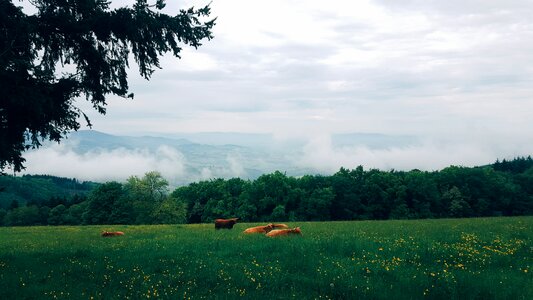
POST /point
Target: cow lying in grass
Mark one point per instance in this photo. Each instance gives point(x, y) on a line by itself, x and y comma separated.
point(260, 229)
point(112, 233)
point(225, 223)
point(265, 229)
point(276, 226)
point(284, 232)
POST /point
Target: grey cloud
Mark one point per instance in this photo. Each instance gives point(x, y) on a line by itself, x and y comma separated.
point(457, 7)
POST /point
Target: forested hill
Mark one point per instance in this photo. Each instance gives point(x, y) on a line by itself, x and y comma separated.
point(41, 189)
point(504, 188)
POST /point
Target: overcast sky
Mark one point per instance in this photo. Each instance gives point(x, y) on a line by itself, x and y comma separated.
point(459, 74)
point(294, 67)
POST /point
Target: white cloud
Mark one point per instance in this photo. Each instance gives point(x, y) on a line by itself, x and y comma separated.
point(104, 165)
point(429, 154)
point(236, 169)
point(100, 165)
point(191, 61)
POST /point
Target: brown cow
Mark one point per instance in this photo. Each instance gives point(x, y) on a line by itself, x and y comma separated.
point(225, 223)
point(112, 233)
point(260, 229)
point(275, 226)
point(284, 232)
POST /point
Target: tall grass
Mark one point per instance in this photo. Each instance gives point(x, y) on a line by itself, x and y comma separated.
point(487, 258)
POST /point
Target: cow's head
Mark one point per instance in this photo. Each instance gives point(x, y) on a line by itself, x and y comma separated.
point(268, 227)
point(296, 231)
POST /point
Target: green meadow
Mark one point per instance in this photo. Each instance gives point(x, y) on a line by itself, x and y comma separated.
point(485, 258)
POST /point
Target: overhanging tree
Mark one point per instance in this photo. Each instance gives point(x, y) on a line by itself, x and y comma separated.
point(78, 48)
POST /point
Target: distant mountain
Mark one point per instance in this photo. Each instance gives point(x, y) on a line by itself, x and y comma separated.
point(88, 140)
point(189, 157)
point(252, 140)
point(268, 141)
point(249, 160)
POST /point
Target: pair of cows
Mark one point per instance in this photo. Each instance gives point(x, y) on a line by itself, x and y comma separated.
point(270, 230)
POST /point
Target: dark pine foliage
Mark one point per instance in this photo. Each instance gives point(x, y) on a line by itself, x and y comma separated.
point(73, 48)
point(517, 165)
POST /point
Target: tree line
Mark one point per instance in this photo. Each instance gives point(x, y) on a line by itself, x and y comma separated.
point(37, 189)
point(502, 189)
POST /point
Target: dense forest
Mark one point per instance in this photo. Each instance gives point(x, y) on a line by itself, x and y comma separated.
point(41, 189)
point(504, 188)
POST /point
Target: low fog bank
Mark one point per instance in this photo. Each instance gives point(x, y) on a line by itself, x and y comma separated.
point(427, 155)
point(102, 165)
point(317, 155)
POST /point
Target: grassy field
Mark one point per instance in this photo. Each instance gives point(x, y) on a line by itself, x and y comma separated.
point(489, 258)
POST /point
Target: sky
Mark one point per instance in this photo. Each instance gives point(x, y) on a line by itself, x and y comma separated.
point(456, 74)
